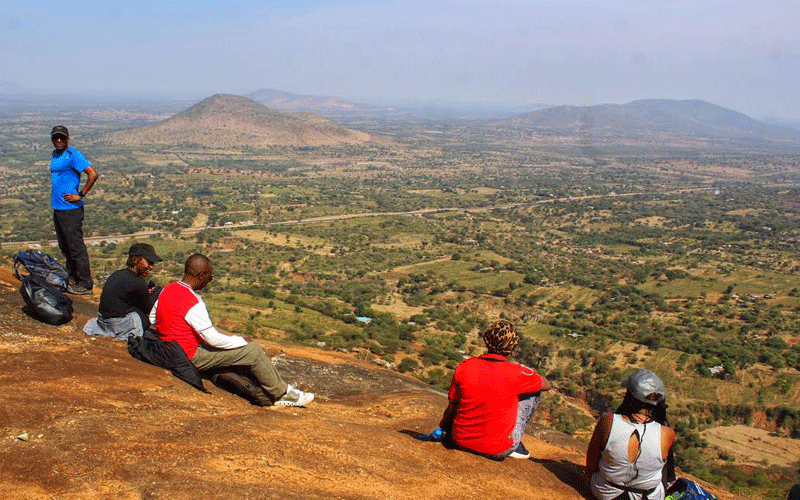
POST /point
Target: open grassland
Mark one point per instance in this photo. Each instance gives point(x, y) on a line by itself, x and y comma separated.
point(462, 273)
point(265, 318)
point(744, 281)
point(395, 306)
point(755, 447)
point(317, 245)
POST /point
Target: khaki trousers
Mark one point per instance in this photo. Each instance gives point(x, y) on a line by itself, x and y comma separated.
point(250, 356)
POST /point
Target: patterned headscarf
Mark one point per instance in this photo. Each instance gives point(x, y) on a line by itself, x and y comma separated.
point(501, 338)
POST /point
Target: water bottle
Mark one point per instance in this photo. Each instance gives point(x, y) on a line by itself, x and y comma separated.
point(436, 436)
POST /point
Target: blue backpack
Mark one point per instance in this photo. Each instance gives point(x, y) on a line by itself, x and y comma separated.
point(40, 264)
point(683, 489)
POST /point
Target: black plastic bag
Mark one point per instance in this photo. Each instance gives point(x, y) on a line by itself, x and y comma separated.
point(45, 302)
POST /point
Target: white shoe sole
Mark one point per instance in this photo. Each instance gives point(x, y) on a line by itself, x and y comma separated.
point(307, 398)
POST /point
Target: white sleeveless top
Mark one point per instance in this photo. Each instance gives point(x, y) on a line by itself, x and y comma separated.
point(644, 473)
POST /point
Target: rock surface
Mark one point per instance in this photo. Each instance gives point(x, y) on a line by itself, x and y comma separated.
point(103, 425)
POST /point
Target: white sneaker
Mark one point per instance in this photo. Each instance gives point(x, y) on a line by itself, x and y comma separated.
point(520, 452)
point(295, 397)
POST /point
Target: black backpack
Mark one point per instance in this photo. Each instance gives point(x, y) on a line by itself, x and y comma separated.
point(238, 381)
point(45, 302)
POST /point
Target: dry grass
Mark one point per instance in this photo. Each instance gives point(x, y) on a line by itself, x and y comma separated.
point(283, 239)
point(159, 159)
point(403, 241)
point(754, 446)
point(654, 221)
point(200, 221)
point(398, 308)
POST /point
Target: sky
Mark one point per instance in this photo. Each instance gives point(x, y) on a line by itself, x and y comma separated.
point(743, 55)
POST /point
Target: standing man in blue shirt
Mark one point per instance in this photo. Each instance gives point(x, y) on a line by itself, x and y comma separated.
point(66, 198)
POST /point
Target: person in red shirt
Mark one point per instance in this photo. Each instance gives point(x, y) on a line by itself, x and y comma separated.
point(180, 314)
point(492, 399)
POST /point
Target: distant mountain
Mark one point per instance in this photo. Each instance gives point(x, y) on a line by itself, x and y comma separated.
point(781, 122)
point(386, 109)
point(653, 119)
point(527, 108)
point(228, 121)
point(278, 99)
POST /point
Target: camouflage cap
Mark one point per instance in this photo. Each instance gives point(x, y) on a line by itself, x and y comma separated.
point(59, 130)
point(501, 338)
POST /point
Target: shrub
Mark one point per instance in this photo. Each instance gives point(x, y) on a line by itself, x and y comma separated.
point(408, 365)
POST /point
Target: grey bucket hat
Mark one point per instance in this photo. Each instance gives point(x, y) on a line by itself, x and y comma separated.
point(645, 386)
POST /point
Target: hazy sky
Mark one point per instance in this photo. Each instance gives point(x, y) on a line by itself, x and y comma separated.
point(744, 55)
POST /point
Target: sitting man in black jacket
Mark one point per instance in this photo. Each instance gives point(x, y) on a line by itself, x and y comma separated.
point(127, 299)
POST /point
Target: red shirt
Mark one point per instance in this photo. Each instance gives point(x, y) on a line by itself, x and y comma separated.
point(486, 391)
point(173, 303)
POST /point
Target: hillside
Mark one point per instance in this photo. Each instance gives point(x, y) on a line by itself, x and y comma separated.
point(227, 121)
point(654, 119)
point(87, 421)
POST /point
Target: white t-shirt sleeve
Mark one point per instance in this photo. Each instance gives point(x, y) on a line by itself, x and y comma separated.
point(198, 318)
point(153, 313)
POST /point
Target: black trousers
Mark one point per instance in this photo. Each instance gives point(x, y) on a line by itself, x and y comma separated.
point(69, 231)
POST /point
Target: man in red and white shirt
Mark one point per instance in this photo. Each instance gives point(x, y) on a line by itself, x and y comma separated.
point(492, 399)
point(180, 314)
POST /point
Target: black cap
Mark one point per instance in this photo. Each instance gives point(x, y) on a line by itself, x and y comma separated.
point(59, 130)
point(146, 251)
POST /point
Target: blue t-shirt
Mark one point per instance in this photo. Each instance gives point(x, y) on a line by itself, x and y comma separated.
point(65, 178)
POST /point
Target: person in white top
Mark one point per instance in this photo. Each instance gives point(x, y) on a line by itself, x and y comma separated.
point(630, 448)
